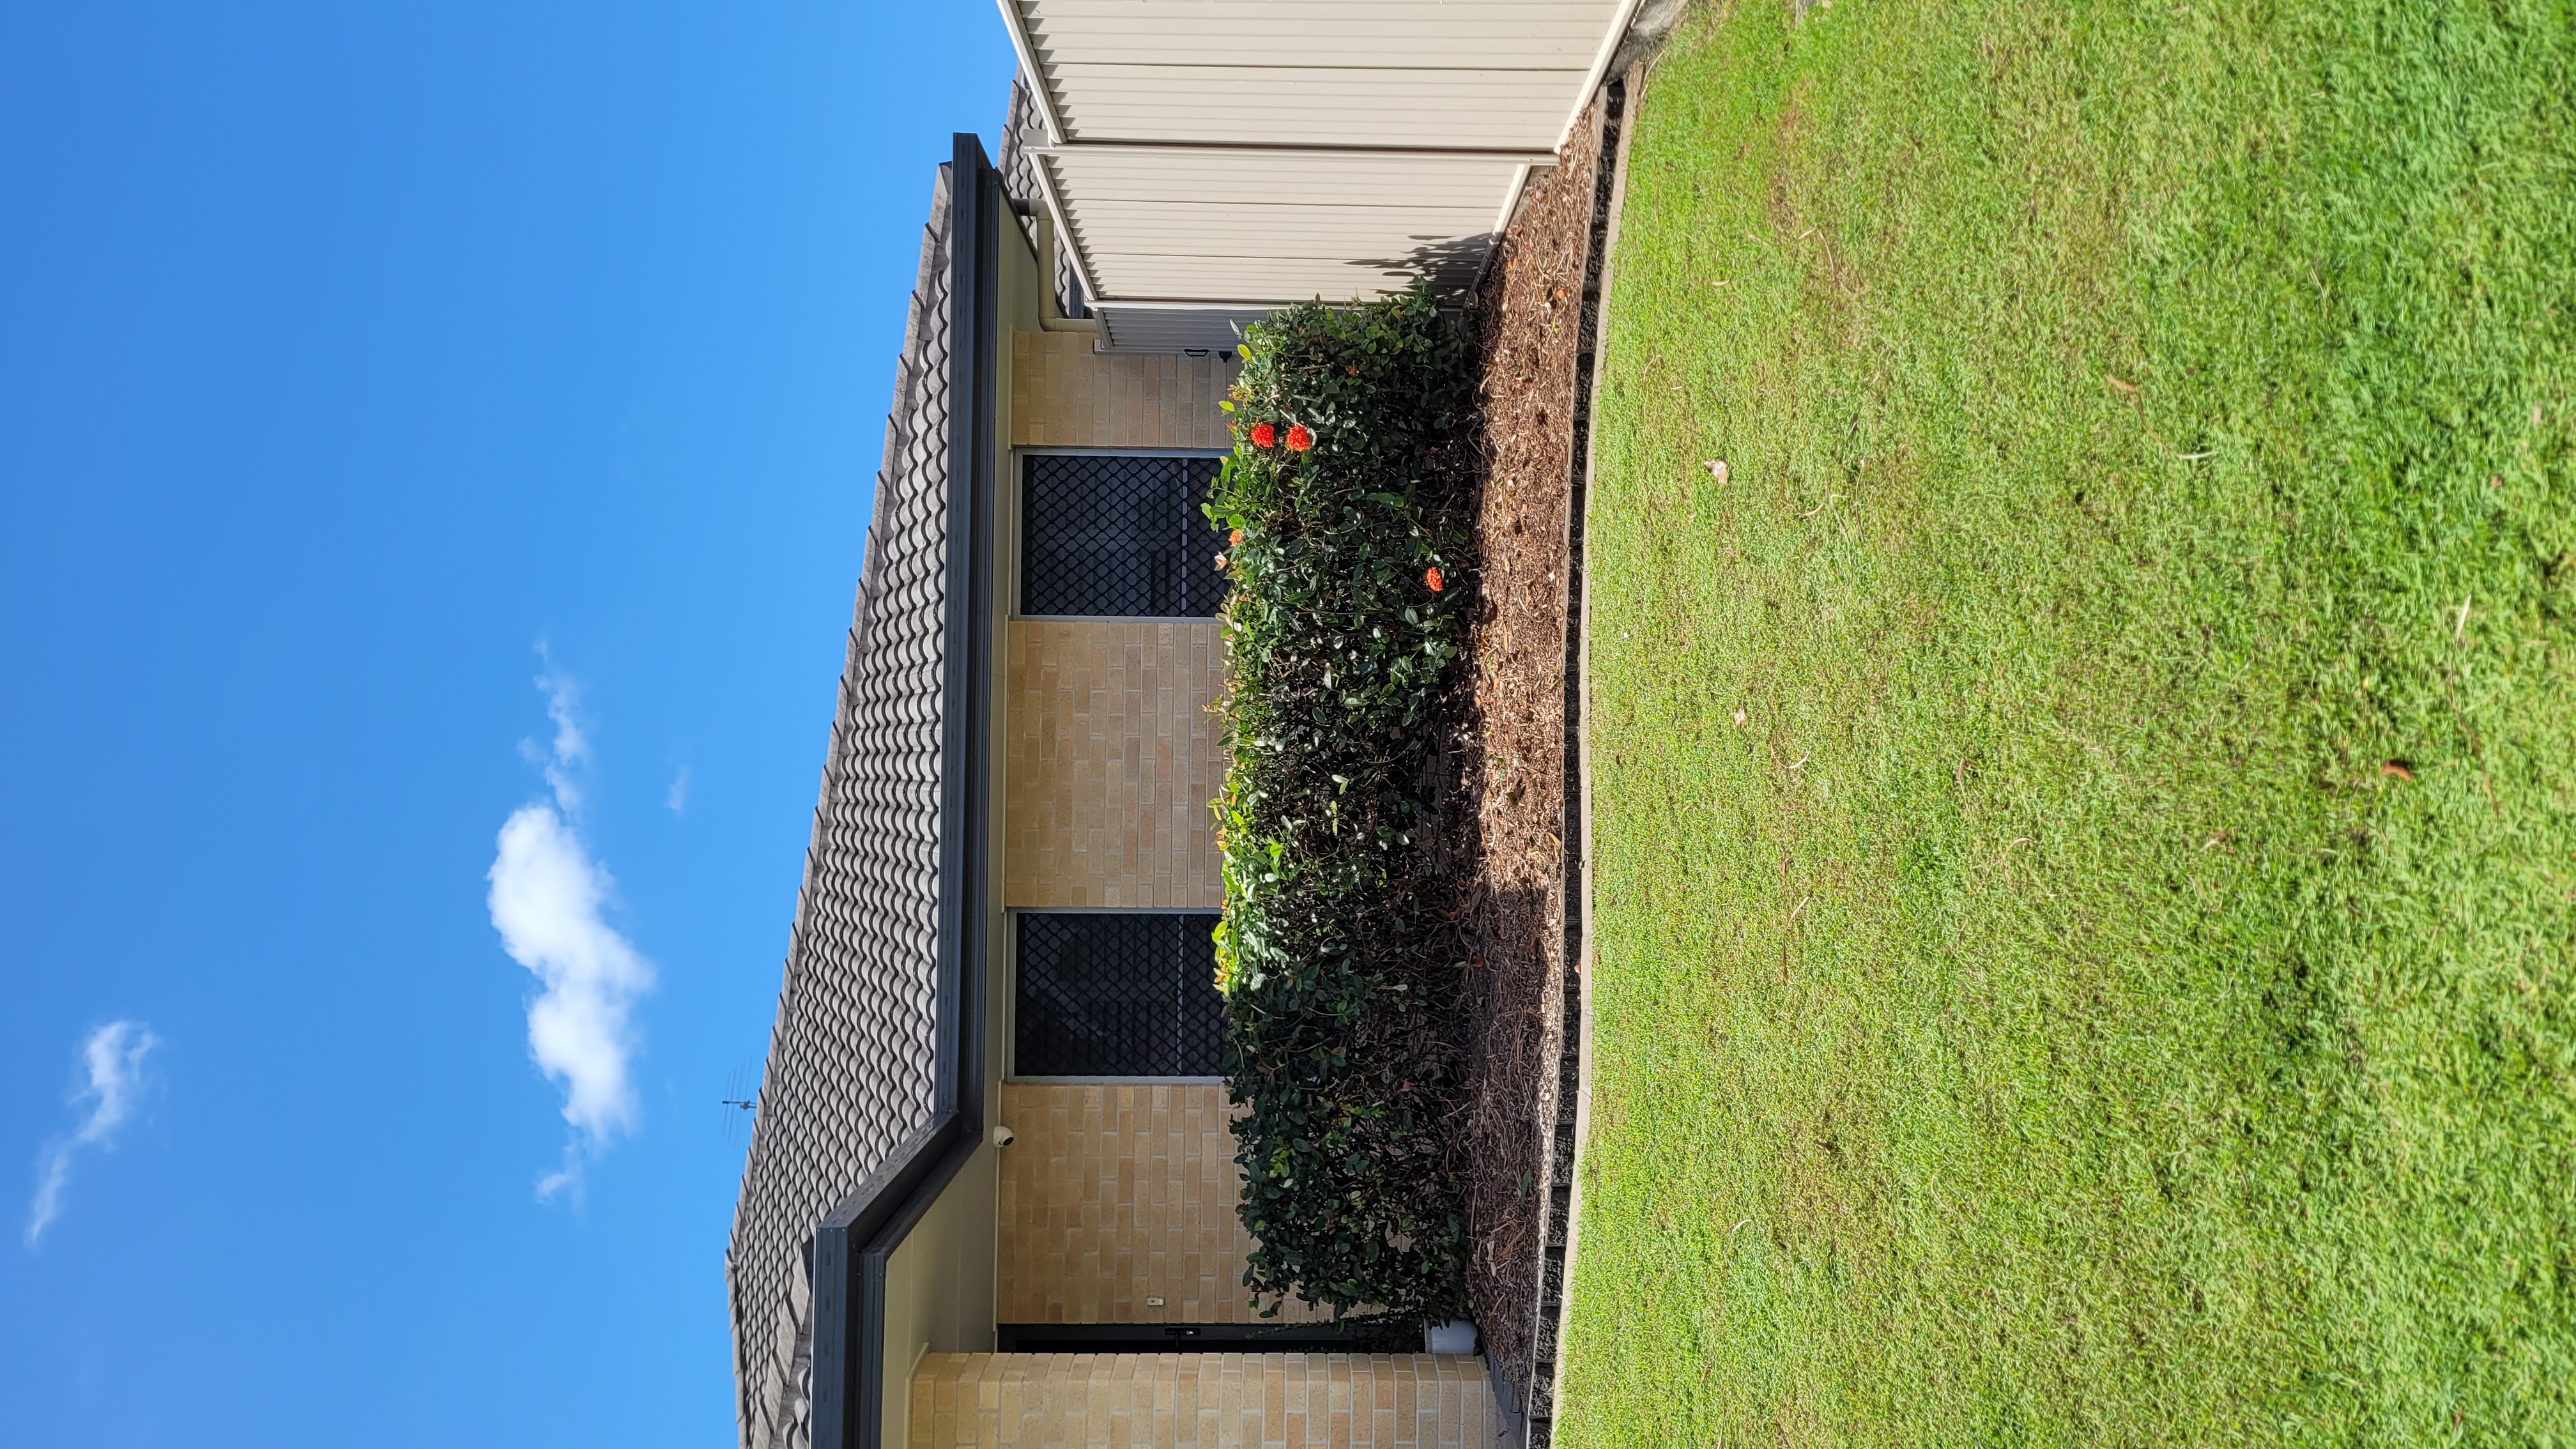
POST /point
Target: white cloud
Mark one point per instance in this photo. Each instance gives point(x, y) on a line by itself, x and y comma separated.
point(677, 797)
point(546, 901)
point(113, 1057)
point(571, 749)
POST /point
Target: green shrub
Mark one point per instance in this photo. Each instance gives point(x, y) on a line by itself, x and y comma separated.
point(1340, 1020)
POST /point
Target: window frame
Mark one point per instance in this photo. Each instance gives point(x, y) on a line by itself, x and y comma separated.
point(1011, 1074)
point(1019, 529)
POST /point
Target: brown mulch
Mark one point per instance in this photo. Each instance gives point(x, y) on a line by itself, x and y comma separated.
point(1509, 808)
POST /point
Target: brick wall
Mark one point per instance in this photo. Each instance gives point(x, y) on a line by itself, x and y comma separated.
point(1202, 1401)
point(1116, 1193)
point(1112, 758)
point(1064, 395)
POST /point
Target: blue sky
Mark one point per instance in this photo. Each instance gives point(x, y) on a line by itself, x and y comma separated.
point(348, 354)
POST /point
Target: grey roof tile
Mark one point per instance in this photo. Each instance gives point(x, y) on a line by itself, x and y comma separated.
point(1020, 181)
point(851, 1055)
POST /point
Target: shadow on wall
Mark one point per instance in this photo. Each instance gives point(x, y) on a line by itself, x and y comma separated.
point(1451, 263)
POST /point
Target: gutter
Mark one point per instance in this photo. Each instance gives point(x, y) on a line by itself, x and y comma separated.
point(856, 1242)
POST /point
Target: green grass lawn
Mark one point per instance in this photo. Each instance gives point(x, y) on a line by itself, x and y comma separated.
point(2085, 813)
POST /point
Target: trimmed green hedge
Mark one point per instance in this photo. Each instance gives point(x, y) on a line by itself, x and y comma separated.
point(1340, 1020)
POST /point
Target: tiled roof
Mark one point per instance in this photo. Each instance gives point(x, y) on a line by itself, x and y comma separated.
point(852, 1069)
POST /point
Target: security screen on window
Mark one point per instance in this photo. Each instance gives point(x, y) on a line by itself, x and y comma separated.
point(1117, 994)
point(1117, 534)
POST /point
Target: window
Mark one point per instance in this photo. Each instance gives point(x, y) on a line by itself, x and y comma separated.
point(1116, 533)
point(1117, 994)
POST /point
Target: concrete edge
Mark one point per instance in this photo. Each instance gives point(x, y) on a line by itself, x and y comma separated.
point(1635, 77)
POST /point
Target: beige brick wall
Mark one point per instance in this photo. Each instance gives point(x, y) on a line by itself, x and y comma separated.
point(1202, 1401)
point(1064, 395)
point(1112, 758)
point(1116, 1193)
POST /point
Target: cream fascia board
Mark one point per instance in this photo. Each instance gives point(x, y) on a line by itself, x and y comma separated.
point(1511, 200)
point(1018, 25)
point(1066, 237)
point(1167, 304)
point(1219, 150)
point(1592, 78)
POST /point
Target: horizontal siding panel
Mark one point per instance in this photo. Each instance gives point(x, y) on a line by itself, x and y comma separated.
point(1276, 228)
point(1572, 51)
point(1320, 12)
point(1281, 180)
point(1246, 267)
point(1258, 279)
point(1314, 15)
point(1249, 87)
point(1107, 227)
point(1280, 191)
point(1164, 330)
point(1358, 41)
point(1521, 110)
point(1312, 21)
point(1330, 124)
point(1499, 75)
point(1370, 247)
point(1385, 236)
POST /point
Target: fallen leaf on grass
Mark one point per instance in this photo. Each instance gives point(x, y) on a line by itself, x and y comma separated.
point(1739, 716)
point(1716, 468)
point(2397, 769)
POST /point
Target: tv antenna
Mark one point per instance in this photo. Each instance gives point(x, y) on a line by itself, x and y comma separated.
point(740, 1103)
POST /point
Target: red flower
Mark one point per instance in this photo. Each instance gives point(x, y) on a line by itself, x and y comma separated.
point(1263, 434)
point(1299, 440)
point(1235, 539)
point(1432, 577)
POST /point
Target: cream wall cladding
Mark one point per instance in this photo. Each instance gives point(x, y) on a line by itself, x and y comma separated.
point(1064, 395)
point(1114, 1194)
point(1202, 1401)
point(1113, 757)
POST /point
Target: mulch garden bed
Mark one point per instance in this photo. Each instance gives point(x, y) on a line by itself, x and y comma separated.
point(1508, 814)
